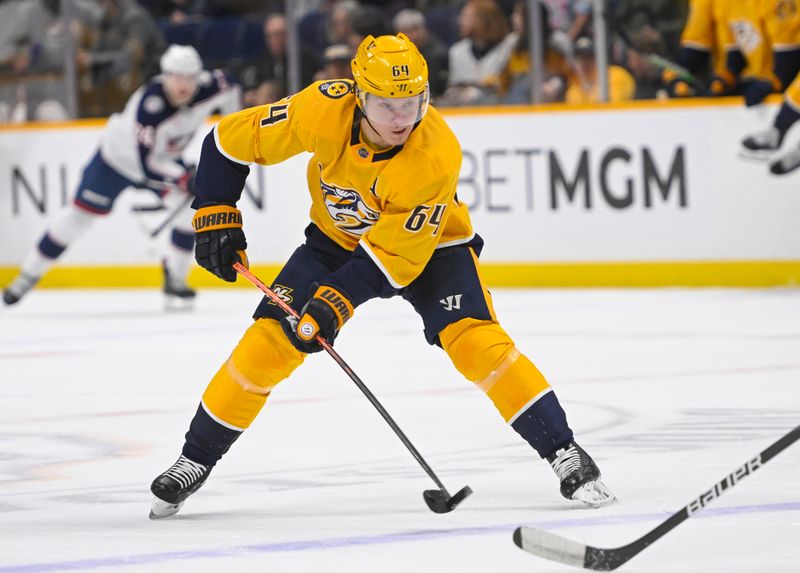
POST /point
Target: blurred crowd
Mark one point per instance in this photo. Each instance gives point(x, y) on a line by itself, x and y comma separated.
point(478, 51)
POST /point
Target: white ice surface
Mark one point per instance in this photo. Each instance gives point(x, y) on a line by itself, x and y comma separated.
point(669, 390)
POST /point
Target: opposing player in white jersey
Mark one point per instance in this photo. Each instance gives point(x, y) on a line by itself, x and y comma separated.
point(142, 147)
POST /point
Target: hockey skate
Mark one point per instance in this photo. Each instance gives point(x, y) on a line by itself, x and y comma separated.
point(580, 476)
point(173, 486)
point(785, 163)
point(761, 145)
point(179, 295)
point(19, 288)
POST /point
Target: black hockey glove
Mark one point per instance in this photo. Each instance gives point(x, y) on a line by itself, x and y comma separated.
point(219, 240)
point(323, 315)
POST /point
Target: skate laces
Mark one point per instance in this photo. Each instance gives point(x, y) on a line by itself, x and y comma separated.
point(185, 471)
point(567, 460)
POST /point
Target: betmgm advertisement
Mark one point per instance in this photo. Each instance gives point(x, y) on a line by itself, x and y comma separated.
point(647, 194)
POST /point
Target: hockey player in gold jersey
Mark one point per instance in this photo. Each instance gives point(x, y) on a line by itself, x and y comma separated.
point(385, 221)
point(754, 44)
point(701, 41)
point(781, 22)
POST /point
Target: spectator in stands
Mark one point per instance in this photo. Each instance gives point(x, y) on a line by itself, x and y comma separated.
point(340, 24)
point(569, 19)
point(478, 59)
point(517, 79)
point(122, 54)
point(368, 20)
point(584, 82)
point(174, 11)
point(649, 25)
point(226, 8)
point(412, 24)
point(336, 64)
point(267, 77)
point(33, 44)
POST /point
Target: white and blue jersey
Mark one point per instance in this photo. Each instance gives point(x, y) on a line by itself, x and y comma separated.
point(145, 142)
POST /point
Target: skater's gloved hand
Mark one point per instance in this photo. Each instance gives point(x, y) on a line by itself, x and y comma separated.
point(755, 91)
point(219, 240)
point(186, 181)
point(677, 85)
point(323, 315)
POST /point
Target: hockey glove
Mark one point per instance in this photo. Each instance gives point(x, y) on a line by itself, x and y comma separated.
point(219, 240)
point(186, 181)
point(721, 83)
point(677, 85)
point(323, 315)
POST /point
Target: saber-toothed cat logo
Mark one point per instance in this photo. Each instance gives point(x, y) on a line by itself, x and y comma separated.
point(348, 209)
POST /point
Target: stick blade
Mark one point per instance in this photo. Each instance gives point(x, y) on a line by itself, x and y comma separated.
point(440, 502)
point(550, 546)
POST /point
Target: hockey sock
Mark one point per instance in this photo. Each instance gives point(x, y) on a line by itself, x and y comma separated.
point(207, 439)
point(238, 391)
point(485, 354)
point(787, 116)
point(180, 255)
point(71, 223)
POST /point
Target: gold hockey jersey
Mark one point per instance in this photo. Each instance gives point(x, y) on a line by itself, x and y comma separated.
point(398, 204)
point(746, 29)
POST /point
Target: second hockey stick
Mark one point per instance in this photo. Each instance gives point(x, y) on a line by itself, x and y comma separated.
point(557, 548)
point(438, 500)
point(156, 231)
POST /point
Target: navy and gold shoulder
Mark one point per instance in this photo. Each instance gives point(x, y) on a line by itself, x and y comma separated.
point(154, 107)
point(335, 89)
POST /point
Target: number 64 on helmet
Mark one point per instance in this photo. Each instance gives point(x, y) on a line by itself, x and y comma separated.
point(391, 79)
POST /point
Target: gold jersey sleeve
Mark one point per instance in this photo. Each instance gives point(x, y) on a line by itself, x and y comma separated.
point(698, 32)
point(745, 29)
point(782, 22)
point(399, 203)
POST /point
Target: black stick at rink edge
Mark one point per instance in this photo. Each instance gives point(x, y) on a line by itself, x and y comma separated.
point(439, 501)
point(557, 548)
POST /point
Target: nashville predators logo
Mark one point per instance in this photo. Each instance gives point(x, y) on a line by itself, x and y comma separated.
point(347, 209)
point(283, 292)
point(335, 89)
point(746, 36)
point(786, 9)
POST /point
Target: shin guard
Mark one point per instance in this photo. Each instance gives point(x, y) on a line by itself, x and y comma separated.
point(483, 352)
point(238, 391)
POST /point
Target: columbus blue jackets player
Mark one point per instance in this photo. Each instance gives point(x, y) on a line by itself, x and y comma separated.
point(385, 221)
point(142, 147)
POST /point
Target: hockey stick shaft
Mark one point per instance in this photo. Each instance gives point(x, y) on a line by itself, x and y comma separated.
point(169, 218)
point(557, 548)
point(245, 272)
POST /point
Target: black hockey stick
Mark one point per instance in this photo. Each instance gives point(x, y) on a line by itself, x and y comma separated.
point(156, 231)
point(438, 500)
point(557, 548)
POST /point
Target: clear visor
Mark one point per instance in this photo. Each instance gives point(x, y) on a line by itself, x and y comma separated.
point(394, 111)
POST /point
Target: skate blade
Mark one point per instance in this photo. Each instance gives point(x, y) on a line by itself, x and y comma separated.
point(594, 494)
point(178, 304)
point(757, 156)
point(161, 509)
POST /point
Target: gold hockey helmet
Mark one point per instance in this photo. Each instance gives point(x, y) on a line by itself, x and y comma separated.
point(391, 79)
